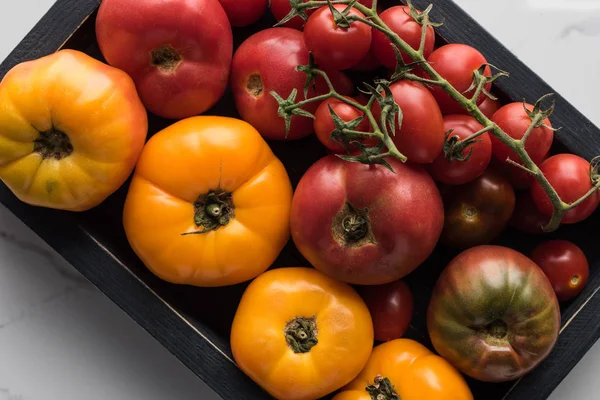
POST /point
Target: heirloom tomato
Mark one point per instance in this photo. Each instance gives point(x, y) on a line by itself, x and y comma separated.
point(449, 169)
point(364, 224)
point(71, 130)
point(569, 175)
point(421, 136)
point(300, 334)
point(244, 13)
point(493, 314)
point(405, 369)
point(565, 265)
point(178, 52)
point(208, 204)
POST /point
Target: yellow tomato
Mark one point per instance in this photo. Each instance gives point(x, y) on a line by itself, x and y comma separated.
point(71, 130)
point(209, 203)
point(407, 370)
point(300, 334)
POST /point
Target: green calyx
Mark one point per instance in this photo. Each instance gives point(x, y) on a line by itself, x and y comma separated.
point(382, 389)
point(212, 211)
point(301, 334)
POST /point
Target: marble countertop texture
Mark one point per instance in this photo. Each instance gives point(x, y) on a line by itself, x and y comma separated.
point(61, 339)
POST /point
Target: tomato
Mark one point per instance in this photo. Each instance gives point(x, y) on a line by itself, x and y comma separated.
point(370, 226)
point(476, 213)
point(493, 314)
point(391, 307)
point(324, 126)
point(281, 8)
point(170, 51)
point(513, 120)
point(398, 19)
point(489, 107)
point(300, 334)
point(565, 265)
point(339, 80)
point(405, 369)
point(71, 130)
point(334, 47)
point(569, 175)
point(526, 217)
point(244, 13)
point(368, 63)
point(204, 188)
point(421, 136)
point(267, 62)
point(457, 172)
point(456, 63)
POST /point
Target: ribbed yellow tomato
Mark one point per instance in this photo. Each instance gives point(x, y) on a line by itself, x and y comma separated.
point(300, 334)
point(71, 130)
point(407, 370)
point(209, 203)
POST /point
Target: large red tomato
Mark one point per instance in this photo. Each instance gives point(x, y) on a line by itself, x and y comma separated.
point(243, 13)
point(456, 63)
point(398, 19)
point(170, 51)
point(364, 224)
point(335, 47)
point(569, 175)
point(493, 314)
point(421, 137)
point(477, 156)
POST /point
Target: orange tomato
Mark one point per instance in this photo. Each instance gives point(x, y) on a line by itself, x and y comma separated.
point(209, 203)
point(301, 334)
point(406, 369)
point(71, 130)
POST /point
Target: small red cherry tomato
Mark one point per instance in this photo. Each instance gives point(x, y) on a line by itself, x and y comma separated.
point(457, 63)
point(398, 19)
point(244, 13)
point(324, 126)
point(569, 175)
point(526, 216)
point(457, 172)
point(489, 107)
point(565, 265)
point(391, 308)
point(333, 46)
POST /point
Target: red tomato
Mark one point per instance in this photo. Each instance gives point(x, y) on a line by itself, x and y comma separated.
point(281, 8)
point(244, 13)
point(456, 63)
point(334, 47)
point(364, 224)
point(398, 19)
point(366, 3)
point(369, 62)
point(266, 62)
point(170, 51)
point(565, 265)
point(526, 217)
point(513, 120)
point(488, 106)
point(324, 126)
point(340, 81)
point(391, 308)
point(457, 172)
point(421, 137)
point(569, 175)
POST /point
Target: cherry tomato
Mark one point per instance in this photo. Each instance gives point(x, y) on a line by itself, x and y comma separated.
point(421, 136)
point(569, 175)
point(340, 81)
point(391, 308)
point(565, 265)
point(456, 63)
point(335, 47)
point(488, 106)
point(476, 213)
point(526, 217)
point(244, 13)
point(324, 126)
point(281, 8)
point(456, 172)
point(513, 120)
point(398, 19)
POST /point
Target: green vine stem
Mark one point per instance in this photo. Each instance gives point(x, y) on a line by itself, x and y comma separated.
point(468, 103)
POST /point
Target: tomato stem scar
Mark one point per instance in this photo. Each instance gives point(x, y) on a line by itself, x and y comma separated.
point(301, 334)
point(382, 389)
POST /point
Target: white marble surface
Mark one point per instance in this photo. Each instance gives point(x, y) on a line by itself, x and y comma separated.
point(60, 339)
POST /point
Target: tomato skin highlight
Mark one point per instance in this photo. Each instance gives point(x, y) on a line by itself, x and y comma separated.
point(244, 13)
point(334, 47)
point(398, 19)
point(569, 175)
point(456, 172)
point(456, 63)
point(565, 265)
point(392, 243)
